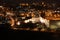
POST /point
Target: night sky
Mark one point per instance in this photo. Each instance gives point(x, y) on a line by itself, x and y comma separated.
point(29, 1)
point(17, 2)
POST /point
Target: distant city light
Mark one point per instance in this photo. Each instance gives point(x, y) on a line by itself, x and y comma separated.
point(1, 6)
point(58, 23)
point(23, 17)
point(53, 26)
point(18, 23)
point(26, 21)
point(39, 15)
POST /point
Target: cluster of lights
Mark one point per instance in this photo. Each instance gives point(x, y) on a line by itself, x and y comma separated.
point(57, 11)
point(33, 20)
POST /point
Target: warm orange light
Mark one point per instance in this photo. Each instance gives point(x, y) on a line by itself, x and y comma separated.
point(12, 22)
point(43, 29)
point(35, 29)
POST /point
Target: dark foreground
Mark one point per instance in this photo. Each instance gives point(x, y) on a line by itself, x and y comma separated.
point(29, 35)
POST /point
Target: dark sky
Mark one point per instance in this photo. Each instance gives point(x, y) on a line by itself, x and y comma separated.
point(29, 1)
point(14, 2)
